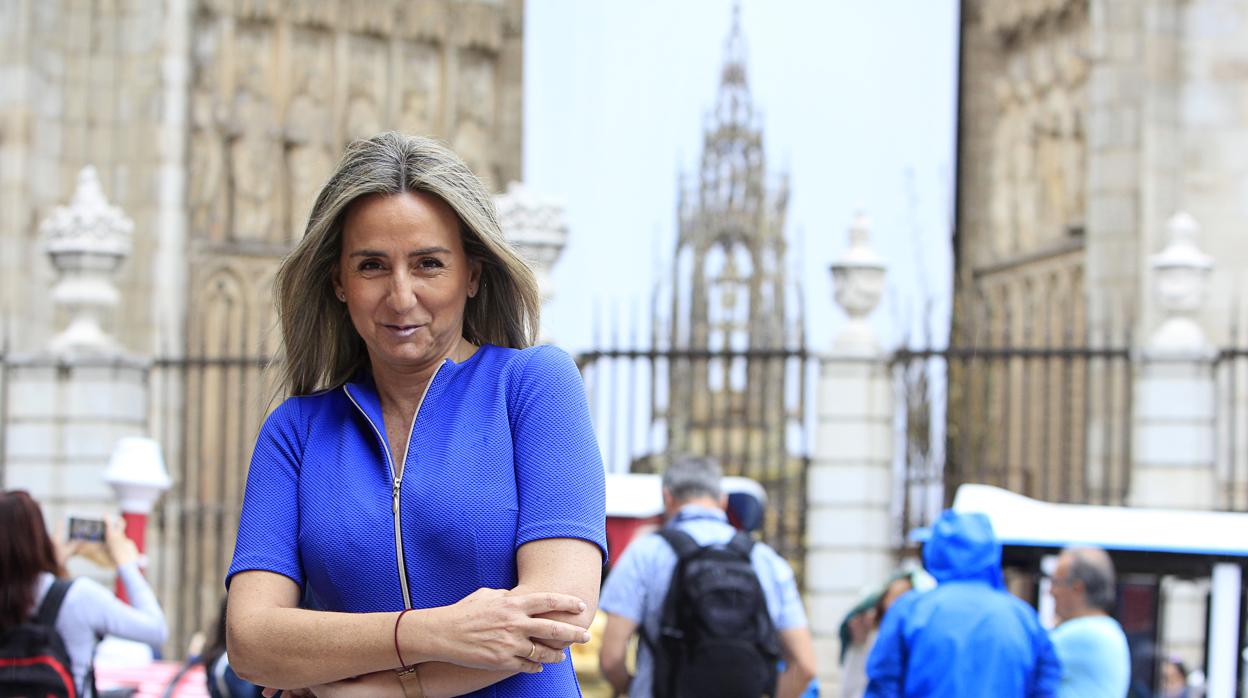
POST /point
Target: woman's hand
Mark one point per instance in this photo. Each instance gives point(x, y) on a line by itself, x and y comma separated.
point(489, 629)
point(121, 549)
point(115, 550)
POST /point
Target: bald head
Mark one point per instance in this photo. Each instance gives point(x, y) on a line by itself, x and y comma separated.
point(1091, 571)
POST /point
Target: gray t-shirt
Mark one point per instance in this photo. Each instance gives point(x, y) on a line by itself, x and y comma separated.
point(90, 611)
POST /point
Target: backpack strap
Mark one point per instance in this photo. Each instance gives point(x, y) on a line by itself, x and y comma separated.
point(50, 608)
point(741, 544)
point(681, 542)
point(669, 640)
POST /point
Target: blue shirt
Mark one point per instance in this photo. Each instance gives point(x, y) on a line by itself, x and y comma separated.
point(1096, 662)
point(501, 453)
point(638, 582)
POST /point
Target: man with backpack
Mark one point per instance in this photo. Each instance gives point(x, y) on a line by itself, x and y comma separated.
point(714, 611)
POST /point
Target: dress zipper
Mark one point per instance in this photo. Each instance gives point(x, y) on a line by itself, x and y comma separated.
point(397, 480)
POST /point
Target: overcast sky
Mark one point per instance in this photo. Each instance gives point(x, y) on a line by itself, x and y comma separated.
point(858, 106)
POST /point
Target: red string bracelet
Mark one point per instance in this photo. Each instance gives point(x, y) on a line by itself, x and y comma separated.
point(397, 651)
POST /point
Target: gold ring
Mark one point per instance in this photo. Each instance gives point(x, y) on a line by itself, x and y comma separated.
point(532, 652)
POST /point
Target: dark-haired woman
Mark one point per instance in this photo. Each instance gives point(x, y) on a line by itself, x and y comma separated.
point(29, 564)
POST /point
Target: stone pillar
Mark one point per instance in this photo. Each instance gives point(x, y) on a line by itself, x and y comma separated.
point(70, 403)
point(1174, 416)
point(849, 486)
point(1175, 421)
point(538, 230)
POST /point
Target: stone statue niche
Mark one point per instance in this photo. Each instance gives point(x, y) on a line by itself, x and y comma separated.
point(308, 127)
point(255, 151)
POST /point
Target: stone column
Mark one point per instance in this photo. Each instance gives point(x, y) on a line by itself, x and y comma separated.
point(70, 403)
point(1174, 384)
point(1174, 422)
point(849, 486)
point(537, 228)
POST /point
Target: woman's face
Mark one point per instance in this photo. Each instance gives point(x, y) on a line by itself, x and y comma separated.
point(405, 278)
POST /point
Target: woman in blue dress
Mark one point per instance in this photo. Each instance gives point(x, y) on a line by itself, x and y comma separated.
point(425, 513)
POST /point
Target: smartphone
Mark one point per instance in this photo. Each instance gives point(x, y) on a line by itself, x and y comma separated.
point(86, 529)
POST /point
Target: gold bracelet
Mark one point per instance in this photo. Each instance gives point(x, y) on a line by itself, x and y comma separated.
point(409, 679)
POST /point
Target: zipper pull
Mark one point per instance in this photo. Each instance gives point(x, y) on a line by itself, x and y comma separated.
point(396, 495)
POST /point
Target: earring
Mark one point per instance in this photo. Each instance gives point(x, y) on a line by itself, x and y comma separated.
point(342, 296)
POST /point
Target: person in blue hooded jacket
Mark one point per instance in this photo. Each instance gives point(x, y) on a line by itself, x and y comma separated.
point(968, 637)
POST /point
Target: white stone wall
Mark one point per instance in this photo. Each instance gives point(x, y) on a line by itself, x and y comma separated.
point(85, 85)
point(1212, 112)
point(849, 498)
point(1167, 124)
point(1115, 130)
point(1173, 433)
point(63, 421)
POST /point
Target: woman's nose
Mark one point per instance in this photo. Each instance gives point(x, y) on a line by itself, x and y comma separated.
point(402, 293)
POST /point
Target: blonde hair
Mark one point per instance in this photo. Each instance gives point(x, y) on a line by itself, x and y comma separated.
point(321, 347)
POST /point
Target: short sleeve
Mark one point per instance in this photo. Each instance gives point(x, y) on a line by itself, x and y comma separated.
point(623, 593)
point(560, 481)
point(789, 612)
point(268, 530)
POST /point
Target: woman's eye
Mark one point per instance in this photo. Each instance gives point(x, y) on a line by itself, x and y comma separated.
point(430, 263)
point(369, 265)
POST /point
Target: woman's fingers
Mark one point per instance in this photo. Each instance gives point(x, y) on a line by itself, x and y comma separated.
point(120, 548)
point(556, 631)
point(495, 629)
point(530, 667)
point(548, 602)
point(542, 654)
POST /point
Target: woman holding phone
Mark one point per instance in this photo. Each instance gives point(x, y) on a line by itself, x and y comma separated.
point(30, 565)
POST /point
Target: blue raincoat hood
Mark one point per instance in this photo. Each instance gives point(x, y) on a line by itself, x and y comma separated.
point(963, 547)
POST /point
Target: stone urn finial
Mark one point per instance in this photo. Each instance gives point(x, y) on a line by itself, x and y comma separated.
point(858, 275)
point(538, 229)
point(87, 241)
point(1181, 278)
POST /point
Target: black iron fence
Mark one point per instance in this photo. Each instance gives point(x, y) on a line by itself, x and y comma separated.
point(206, 412)
point(1052, 423)
point(747, 408)
point(1048, 423)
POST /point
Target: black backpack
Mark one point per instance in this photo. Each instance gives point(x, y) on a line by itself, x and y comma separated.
point(33, 660)
point(715, 635)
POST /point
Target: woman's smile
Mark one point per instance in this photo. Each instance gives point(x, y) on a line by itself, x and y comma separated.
point(403, 331)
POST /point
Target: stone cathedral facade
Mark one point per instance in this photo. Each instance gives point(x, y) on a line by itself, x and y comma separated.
point(1084, 125)
point(211, 125)
point(213, 122)
point(1102, 201)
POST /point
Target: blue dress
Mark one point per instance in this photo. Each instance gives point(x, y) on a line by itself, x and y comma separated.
point(502, 452)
